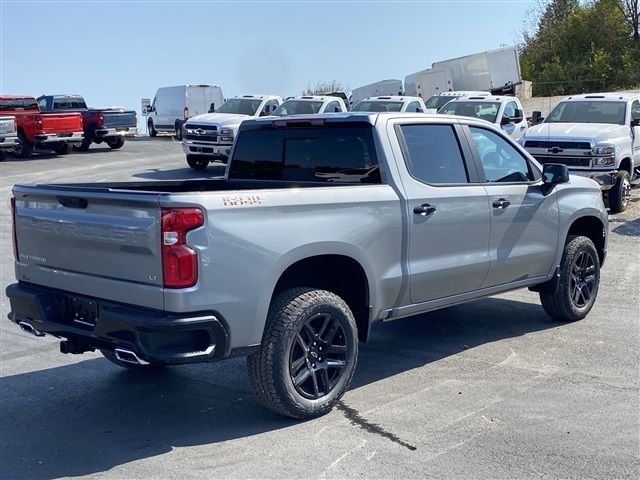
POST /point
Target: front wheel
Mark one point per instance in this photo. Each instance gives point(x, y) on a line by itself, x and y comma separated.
point(115, 142)
point(620, 193)
point(308, 353)
point(62, 148)
point(24, 147)
point(152, 130)
point(578, 282)
point(178, 128)
point(196, 162)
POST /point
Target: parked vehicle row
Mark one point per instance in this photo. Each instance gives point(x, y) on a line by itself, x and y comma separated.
point(60, 123)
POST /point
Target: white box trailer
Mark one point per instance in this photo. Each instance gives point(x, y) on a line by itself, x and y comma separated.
point(496, 71)
point(377, 89)
point(428, 82)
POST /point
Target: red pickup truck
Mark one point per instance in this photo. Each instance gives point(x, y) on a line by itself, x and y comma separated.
point(58, 131)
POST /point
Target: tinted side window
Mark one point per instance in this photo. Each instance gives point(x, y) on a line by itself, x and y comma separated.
point(510, 109)
point(331, 108)
point(330, 154)
point(635, 110)
point(500, 160)
point(413, 107)
point(433, 154)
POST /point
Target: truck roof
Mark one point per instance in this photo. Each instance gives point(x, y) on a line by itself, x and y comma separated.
point(487, 98)
point(313, 98)
point(600, 97)
point(397, 98)
point(261, 97)
point(16, 97)
point(462, 93)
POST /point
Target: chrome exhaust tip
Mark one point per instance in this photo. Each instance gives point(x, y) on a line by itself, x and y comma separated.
point(128, 356)
point(27, 327)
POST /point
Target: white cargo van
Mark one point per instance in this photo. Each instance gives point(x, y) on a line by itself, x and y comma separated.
point(377, 89)
point(428, 82)
point(172, 106)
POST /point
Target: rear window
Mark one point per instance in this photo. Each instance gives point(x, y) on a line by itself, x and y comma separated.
point(18, 104)
point(337, 154)
point(298, 107)
point(66, 103)
point(439, 101)
point(377, 106)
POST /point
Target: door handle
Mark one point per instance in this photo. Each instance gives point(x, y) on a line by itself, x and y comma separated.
point(425, 210)
point(501, 203)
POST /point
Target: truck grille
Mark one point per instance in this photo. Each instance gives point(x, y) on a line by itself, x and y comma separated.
point(202, 133)
point(562, 145)
point(568, 161)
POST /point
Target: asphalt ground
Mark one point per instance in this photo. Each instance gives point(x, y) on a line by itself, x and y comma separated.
point(489, 389)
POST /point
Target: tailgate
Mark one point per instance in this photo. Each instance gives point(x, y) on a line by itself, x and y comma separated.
point(61, 122)
point(92, 241)
point(120, 119)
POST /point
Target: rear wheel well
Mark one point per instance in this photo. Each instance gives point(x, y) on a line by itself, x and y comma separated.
point(592, 228)
point(625, 164)
point(339, 274)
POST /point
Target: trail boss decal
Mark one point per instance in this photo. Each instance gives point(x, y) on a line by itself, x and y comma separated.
point(241, 200)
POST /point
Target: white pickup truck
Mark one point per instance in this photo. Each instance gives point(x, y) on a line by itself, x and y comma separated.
point(390, 104)
point(8, 135)
point(310, 104)
point(209, 137)
point(439, 100)
point(596, 136)
point(503, 111)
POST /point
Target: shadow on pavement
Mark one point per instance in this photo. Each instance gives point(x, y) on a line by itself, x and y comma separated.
point(629, 229)
point(91, 416)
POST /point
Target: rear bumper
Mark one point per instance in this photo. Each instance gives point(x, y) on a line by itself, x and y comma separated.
point(8, 142)
point(154, 336)
point(208, 150)
point(116, 132)
point(59, 137)
point(606, 179)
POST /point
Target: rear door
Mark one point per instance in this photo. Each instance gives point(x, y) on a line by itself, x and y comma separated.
point(524, 221)
point(91, 241)
point(448, 214)
point(196, 100)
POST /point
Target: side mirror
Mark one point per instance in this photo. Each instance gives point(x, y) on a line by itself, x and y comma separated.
point(264, 113)
point(212, 108)
point(536, 117)
point(419, 110)
point(337, 109)
point(554, 173)
point(635, 122)
point(516, 119)
point(505, 120)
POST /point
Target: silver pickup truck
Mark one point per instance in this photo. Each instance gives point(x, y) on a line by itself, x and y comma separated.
point(322, 225)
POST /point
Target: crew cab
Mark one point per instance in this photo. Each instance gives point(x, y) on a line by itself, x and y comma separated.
point(310, 104)
point(8, 135)
point(58, 131)
point(503, 111)
point(392, 103)
point(209, 137)
point(109, 125)
point(322, 225)
point(596, 136)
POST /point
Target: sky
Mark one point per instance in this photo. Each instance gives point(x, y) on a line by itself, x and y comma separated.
point(115, 53)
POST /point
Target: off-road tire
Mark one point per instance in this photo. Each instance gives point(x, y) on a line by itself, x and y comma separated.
point(178, 129)
point(619, 193)
point(3, 155)
point(25, 147)
point(62, 148)
point(196, 162)
point(560, 305)
point(115, 142)
point(109, 355)
point(269, 368)
point(152, 130)
point(83, 146)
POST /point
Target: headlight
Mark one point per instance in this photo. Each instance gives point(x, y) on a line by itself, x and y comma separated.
point(605, 161)
point(606, 150)
point(227, 134)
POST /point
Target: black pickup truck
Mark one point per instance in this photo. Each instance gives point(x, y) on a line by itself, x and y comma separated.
point(109, 125)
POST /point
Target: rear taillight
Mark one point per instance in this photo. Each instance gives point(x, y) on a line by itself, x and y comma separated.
point(179, 261)
point(15, 127)
point(12, 203)
point(100, 119)
point(38, 123)
point(186, 113)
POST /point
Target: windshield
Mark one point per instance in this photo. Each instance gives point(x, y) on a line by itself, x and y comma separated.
point(588, 112)
point(484, 110)
point(377, 106)
point(240, 106)
point(439, 101)
point(297, 107)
